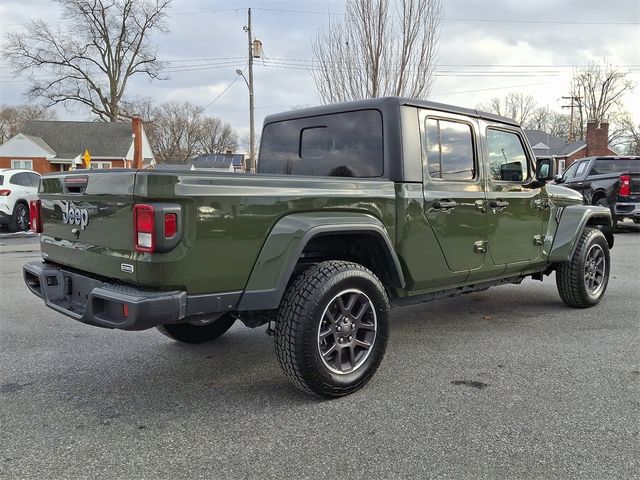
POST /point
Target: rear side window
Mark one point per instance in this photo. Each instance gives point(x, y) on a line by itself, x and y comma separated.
point(33, 179)
point(507, 158)
point(20, 179)
point(449, 150)
point(615, 165)
point(343, 145)
point(1, 179)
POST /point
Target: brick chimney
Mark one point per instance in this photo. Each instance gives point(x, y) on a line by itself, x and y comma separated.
point(597, 138)
point(136, 128)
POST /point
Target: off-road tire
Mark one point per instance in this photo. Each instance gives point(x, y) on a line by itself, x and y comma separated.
point(191, 333)
point(20, 213)
point(570, 276)
point(301, 312)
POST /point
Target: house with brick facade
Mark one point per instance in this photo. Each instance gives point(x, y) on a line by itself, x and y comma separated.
point(565, 152)
point(56, 146)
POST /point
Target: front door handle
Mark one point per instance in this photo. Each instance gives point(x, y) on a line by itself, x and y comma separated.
point(498, 204)
point(445, 204)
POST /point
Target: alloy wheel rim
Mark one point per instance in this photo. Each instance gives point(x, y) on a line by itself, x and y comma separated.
point(22, 221)
point(347, 331)
point(595, 269)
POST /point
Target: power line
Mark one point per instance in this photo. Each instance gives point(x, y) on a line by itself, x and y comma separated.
point(223, 91)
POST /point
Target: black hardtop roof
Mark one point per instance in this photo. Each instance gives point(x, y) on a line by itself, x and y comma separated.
point(384, 103)
point(609, 157)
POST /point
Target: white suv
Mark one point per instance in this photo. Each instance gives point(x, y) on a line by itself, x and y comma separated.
point(17, 189)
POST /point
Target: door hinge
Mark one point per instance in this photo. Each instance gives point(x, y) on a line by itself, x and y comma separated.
point(538, 239)
point(480, 246)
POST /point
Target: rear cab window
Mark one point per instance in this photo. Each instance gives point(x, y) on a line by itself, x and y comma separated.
point(347, 144)
point(604, 165)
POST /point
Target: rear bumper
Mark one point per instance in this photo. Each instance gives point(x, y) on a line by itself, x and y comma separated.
point(631, 210)
point(103, 304)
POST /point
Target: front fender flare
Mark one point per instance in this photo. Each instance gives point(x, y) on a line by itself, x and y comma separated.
point(573, 219)
point(285, 243)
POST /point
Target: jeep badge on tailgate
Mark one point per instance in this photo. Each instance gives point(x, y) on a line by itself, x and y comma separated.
point(75, 216)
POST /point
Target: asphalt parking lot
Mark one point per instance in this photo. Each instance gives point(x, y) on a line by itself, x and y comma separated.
point(507, 383)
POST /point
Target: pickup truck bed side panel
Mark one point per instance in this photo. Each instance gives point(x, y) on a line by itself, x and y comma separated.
point(227, 219)
point(286, 242)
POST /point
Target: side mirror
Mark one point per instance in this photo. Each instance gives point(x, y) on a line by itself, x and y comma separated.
point(544, 169)
point(559, 179)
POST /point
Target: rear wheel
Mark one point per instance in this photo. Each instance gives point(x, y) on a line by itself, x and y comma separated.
point(20, 218)
point(603, 202)
point(636, 220)
point(583, 280)
point(198, 331)
point(332, 328)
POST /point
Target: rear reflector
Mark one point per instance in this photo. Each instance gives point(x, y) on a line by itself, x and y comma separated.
point(35, 216)
point(170, 224)
point(144, 228)
point(5, 192)
point(625, 185)
point(125, 310)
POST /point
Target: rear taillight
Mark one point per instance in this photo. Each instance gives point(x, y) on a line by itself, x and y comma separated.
point(35, 216)
point(5, 192)
point(144, 228)
point(625, 185)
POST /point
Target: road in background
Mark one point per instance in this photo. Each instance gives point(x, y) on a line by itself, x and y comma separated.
point(507, 383)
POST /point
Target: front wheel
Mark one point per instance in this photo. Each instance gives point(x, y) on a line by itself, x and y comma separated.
point(583, 280)
point(198, 331)
point(332, 328)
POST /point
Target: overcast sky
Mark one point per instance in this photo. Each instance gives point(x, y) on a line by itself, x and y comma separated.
point(487, 48)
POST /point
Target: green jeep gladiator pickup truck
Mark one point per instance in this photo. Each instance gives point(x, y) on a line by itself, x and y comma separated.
point(356, 207)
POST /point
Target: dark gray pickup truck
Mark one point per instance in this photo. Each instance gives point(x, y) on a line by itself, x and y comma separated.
point(612, 182)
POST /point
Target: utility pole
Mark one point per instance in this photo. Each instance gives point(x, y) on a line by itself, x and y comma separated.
point(252, 132)
point(571, 106)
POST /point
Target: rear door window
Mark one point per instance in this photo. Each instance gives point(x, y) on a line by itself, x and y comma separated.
point(603, 166)
point(582, 167)
point(449, 150)
point(348, 144)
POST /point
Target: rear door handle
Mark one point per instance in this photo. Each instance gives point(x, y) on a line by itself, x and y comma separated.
point(445, 204)
point(498, 204)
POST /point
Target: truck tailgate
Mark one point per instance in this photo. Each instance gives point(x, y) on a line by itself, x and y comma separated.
point(87, 220)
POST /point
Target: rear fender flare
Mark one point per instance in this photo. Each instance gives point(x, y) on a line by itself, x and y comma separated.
point(284, 245)
point(573, 220)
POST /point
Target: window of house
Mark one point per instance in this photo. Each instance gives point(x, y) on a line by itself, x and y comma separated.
point(95, 165)
point(507, 157)
point(449, 150)
point(348, 144)
point(561, 164)
point(22, 164)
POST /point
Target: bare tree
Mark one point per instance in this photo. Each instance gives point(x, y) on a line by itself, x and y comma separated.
point(176, 132)
point(517, 106)
point(217, 136)
point(378, 51)
point(91, 60)
point(599, 91)
point(179, 131)
point(548, 121)
point(625, 135)
point(13, 117)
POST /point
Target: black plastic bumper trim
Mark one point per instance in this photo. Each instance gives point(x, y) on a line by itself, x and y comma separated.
point(96, 302)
